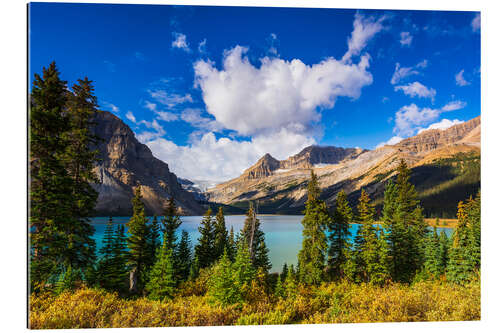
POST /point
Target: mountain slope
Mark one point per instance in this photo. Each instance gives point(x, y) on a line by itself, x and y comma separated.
point(124, 164)
point(282, 189)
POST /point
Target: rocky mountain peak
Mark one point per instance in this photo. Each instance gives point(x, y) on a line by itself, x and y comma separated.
point(124, 164)
point(312, 155)
point(263, 168)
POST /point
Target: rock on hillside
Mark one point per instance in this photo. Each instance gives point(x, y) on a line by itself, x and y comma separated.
point(124, 164)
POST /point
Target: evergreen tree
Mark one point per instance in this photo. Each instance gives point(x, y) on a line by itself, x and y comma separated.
point(222, 284)
point(221, 236)
point(290, 283)
point(155, 240)
point(205, 249)
point(170, 223)
point(80, 159)
point(50, 192)
point(313, 254)
point(432, 260)
point(162, 281)
point(254, 237)
point(119, 259)
point(407, 229)
point(339, 236)
point(138, 254)
point(232, 248)
point(279, 290)
point(244, 269)
point(105, 263)
point(370, 251)
point(463, 261)
point(183, 257)
point(444, 250)
point(284, 272)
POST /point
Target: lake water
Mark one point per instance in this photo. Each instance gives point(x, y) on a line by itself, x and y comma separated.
point(283, 233)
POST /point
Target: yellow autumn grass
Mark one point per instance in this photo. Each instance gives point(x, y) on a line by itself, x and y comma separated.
point(341, 302)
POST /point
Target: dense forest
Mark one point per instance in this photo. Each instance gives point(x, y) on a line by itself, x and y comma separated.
point(152, 275)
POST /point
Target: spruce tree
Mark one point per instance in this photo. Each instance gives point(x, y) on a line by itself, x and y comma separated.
point(284, 272)
point(254, 237)
point(162, 281)
point(50, 188)
point(432, 260)
point(243, 268)
point(279, 290)
point(170, 223)
point(138, 254)
point(183, 257)
point(222, 284)
point(232, 248)
point(105, 263)
point(221, 236)
point(80, 159)
point(119, 259)
point(205, 249)
point(312, 256)
point(339, 236)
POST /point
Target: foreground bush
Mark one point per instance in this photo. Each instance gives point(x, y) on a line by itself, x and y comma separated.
point(329, 303)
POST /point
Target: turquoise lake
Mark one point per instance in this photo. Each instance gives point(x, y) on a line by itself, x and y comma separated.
point(283, 233)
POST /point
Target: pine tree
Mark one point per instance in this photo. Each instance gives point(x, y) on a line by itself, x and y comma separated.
point(105, 263)
point(313, 254)
point(279, 290)
point(138, 254)
point(80, 159)
point(155, 241)
point(339, 236)
point(462, 265)
point(162, 281)
point(432, 261)
point(255, 239)
point(221, 236)
point(290, 283)
point(50, 198)
point(119, 259)
point(232, 248)
point(244, 270)
point(170, 223)
point(284, 272)
point(183, 257)
point(222, 284)
point(371, 266)
point(205, 249)
point(444, 252)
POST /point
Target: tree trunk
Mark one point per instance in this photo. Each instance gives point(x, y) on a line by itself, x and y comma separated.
point(133, 281)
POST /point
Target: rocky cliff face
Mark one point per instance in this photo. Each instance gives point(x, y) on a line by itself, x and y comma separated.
point(124, 164)
point(433, 139)
point(263, 168)
point(314, 155)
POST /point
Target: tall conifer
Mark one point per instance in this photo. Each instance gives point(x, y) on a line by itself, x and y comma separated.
point(339, 236)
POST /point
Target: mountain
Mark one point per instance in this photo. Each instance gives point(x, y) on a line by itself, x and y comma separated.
point(436, 157)
point(124, 163)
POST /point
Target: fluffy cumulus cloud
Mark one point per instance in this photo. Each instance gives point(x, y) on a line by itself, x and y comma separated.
point(365, 29)
point(258, 105)
point(220, 159)
point(410, 118)
point(278, 94)
point(476, 23)
point(417, 89)
point(460, 80)
point(406, 38)
point(442, 125)
point(180, 41)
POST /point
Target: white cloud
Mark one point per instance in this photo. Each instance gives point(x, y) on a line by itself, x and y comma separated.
point(406, 38)
point(460, 80)
point(202, 46)
point(170, 100)
point(364, 30)
point(411, 118)
point(454, 105)
point(442, 125)
point(278, 94)
point(391, 141)
point(194, 117)
point(167, 116)
point(402, 72)
point(180, 42)
point(130, 116)
point(221, 159)
point(476, 23)
point(157, 131)
point(417, 89)
point(422, 64)
point(112, 107)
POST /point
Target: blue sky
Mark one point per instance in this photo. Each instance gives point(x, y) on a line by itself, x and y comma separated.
point(212, 89)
